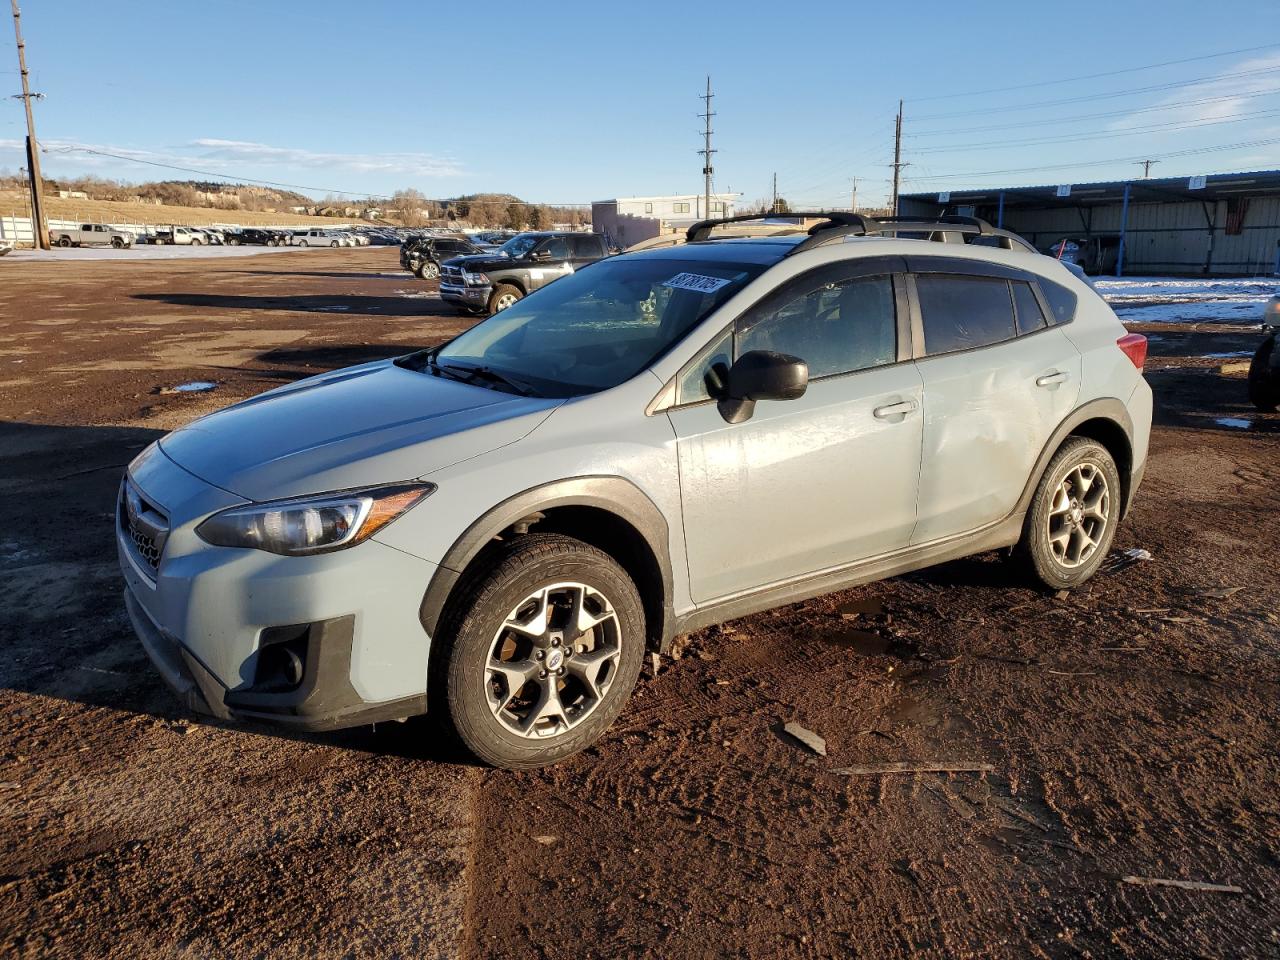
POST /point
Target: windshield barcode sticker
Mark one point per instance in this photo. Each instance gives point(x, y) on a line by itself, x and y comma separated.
point(695, 282)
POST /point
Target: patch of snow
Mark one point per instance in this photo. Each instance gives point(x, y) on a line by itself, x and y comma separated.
point(195, 386)
point(333, 309)
point(1229, 355)
point(1238, 422)
point(146, 252)
point(1173, 300)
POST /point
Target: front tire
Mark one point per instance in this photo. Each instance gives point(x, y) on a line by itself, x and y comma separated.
point(117, 243)
point(1073, 515)
point(64, 241)
point(503, 296)
point(427, 270)
point(538, 653)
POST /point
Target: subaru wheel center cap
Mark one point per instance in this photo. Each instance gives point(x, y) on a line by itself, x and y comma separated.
point(555, 658)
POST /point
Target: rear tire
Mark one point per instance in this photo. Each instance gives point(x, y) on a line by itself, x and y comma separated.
point(303, 243)
point(427, 270)
point(1073, 515)
point(64, 241)
point(1264, 378)
point(117, 243)
point(334, 243)
point(503, 296)
point(512, 635)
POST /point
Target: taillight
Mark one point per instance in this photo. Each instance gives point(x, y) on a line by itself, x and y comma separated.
point(1134, 346)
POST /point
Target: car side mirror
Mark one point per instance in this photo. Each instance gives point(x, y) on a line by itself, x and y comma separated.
point(540, 255)
point(761, 375)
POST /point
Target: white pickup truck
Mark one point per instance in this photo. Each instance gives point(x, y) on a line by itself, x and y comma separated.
point(180, 236)
point(89, 234)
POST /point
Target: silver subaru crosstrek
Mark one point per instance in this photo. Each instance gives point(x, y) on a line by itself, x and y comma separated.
point(499, 528)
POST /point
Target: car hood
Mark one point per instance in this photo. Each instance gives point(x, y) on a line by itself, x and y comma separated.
point(479, 262)
point(375, 423)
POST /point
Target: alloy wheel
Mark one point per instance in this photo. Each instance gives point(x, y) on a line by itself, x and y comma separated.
point(553, 660)
point(1079, 515)
point(504, 301)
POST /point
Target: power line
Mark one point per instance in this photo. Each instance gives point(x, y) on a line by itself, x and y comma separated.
point(1101, 96)
point(1083, 137)
point(1095, 76)
point(1099, 163)
point(1095, 116)
point(68, 148)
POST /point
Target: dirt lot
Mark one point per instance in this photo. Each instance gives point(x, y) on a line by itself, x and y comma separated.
point(1131, 726)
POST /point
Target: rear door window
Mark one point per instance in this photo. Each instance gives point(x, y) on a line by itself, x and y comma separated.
point(586, 248)
point(961, 313)
point(1030, 317)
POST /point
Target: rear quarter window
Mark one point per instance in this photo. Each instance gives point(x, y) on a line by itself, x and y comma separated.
point(1062, 302)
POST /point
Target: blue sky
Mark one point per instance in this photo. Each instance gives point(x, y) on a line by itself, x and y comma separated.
point(573, 102)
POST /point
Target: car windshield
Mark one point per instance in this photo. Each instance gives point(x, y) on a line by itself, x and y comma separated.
point(518, 246)
point(598, 327)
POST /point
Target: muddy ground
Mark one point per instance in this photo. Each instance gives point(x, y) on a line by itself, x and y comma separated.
point(1131, 727)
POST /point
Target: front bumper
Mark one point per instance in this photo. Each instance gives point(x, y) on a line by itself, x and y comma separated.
point(467, 296)
point(205, 615)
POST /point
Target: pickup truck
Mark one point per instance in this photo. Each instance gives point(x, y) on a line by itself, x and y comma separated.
point(489, 282)
point(90, 234)
point(179, 236)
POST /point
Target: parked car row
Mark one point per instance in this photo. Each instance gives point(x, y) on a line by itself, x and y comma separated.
point(482, 278)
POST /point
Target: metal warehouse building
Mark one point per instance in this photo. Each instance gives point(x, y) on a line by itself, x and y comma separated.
point(1223, 224)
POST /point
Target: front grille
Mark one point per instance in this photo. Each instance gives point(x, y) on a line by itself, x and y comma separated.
point(144, 524)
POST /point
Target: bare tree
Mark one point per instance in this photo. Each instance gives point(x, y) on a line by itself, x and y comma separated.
point(408, 207)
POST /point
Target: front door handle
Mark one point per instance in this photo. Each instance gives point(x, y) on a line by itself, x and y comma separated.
point(891, 410)
point(1053, 379)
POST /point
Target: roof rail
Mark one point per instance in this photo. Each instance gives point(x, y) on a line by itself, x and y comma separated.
point(835, 225)
point(833, 218)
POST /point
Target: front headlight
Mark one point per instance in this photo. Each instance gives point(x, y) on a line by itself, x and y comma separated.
point(476, 279)
point(313, 524)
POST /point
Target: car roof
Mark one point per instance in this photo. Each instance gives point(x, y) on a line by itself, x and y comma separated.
point(762, 250)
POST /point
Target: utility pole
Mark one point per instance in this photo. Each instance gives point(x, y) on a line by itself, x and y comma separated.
point(706, 150)
point(39, 229)
point(773, 207)
point(1146, 168)
point(853, 197)
point(897, 157)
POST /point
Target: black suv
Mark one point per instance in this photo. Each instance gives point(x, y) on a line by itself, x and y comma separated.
point(424, 255)
point(490, 282)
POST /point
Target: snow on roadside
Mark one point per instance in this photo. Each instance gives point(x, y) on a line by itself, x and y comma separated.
point(146, 252)
point(1188, 300)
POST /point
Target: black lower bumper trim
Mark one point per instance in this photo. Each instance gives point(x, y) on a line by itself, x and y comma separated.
point(324, 700)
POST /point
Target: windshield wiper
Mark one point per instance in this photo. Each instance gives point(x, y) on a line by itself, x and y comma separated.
point(493, 376)
point(470, 374)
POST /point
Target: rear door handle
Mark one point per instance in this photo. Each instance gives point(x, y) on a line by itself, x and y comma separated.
point(899, 409)
point(1050, 379)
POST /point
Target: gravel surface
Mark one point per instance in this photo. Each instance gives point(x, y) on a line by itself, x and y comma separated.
point(1130, 727)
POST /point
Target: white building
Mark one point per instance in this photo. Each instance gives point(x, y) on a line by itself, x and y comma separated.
point(628, 220)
